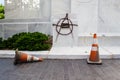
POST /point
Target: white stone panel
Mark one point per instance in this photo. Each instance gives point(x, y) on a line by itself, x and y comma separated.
point(60, 7)
point(86, 11)
point(27, 9)
point(11, 29)
point(43, 28)
point(109, 16)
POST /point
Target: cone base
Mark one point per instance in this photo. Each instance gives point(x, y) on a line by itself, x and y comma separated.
point(92, 62)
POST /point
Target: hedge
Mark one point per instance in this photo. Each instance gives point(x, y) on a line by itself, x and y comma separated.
point(26, 41)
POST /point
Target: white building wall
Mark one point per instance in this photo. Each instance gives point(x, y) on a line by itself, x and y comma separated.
point(109, 16)
point(100, 16)
point(27, 9)
point(93, 15)
point(87, 14)
point(60, 7)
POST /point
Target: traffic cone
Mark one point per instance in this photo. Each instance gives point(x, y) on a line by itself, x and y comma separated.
point(21, 57)
point(94, 54)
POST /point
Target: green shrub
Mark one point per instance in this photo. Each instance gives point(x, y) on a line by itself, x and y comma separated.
point(1, 43)
point(2, 12)
point(0, 40)
point(2, 16)
point(1, 9)
point(27, 41)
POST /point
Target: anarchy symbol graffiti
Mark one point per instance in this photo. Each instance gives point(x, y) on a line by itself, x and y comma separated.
point(64, 23)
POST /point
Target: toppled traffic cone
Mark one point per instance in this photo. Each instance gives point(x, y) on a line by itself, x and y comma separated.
point(21, 57)
point(94, 54)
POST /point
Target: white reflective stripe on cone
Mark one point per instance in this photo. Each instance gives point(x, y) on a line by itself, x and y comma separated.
point(35, 58)
point(95, 41)
point(29, 58)
point(94, 49)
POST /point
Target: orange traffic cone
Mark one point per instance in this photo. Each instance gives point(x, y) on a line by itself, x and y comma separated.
point(94, 55)
point(21, 57)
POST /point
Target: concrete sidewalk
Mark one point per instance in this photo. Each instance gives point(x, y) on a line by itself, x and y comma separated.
point(67, 53)
point(83, 52)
